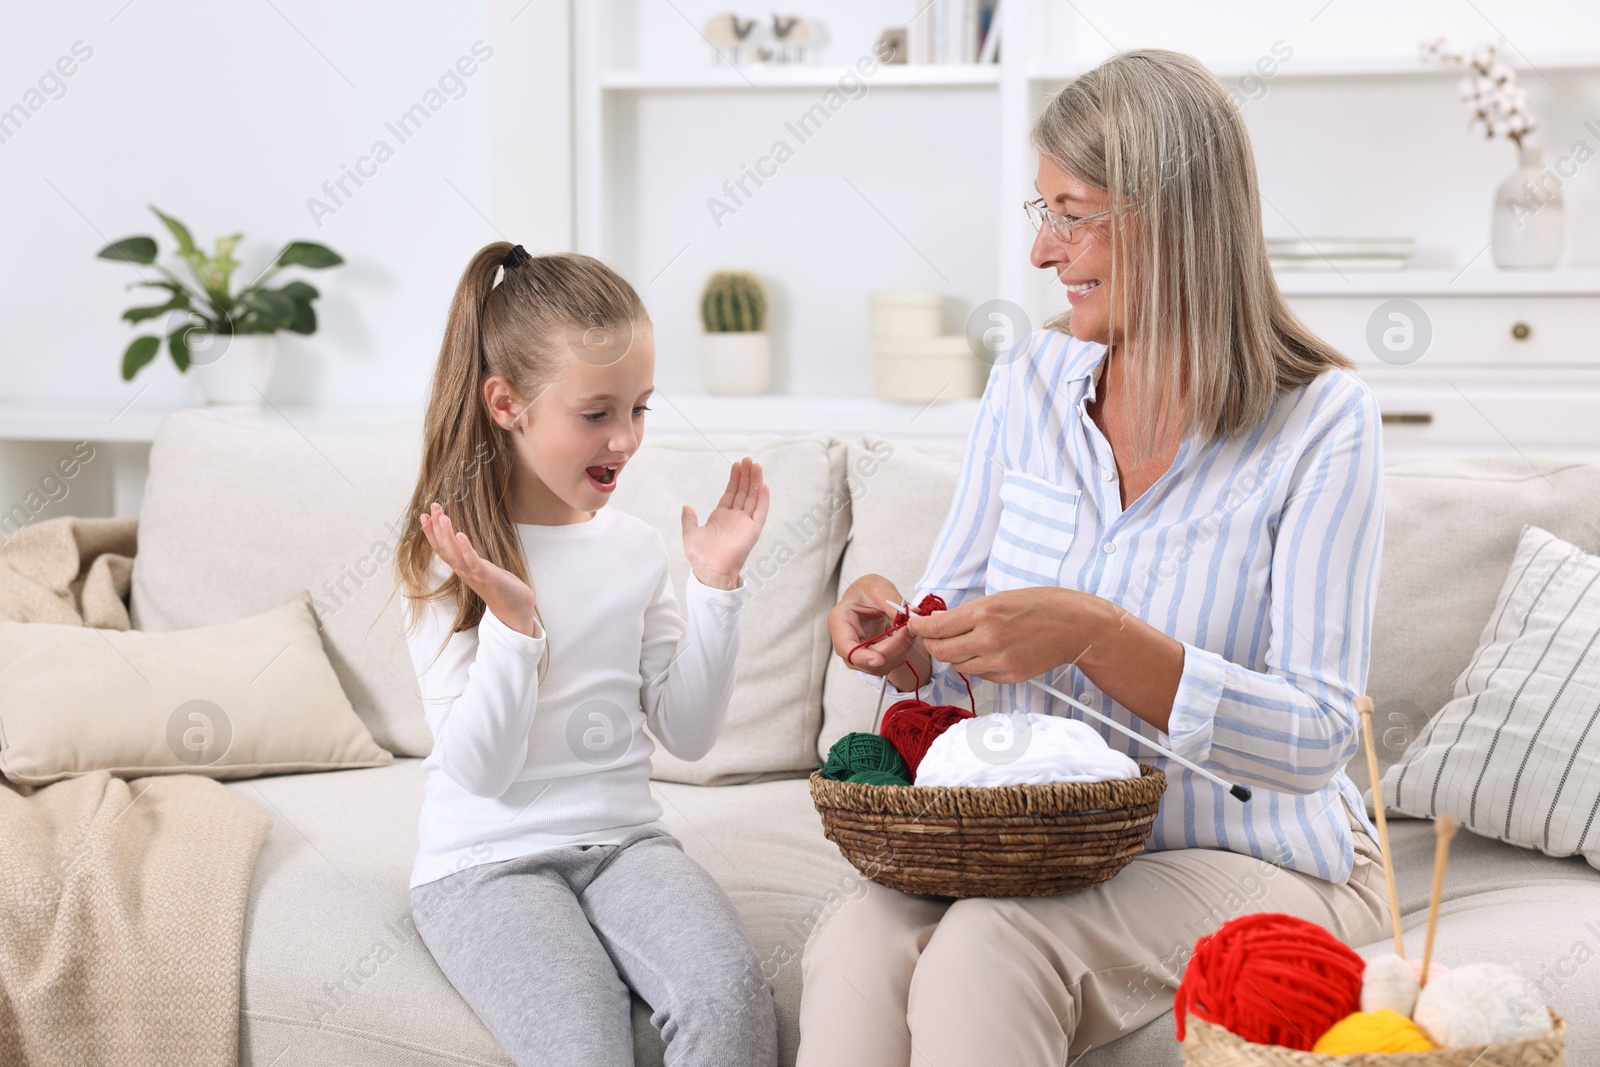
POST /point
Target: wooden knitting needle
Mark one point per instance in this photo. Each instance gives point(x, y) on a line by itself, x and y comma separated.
point(1444, 828)
point(1238, 792)
point(1364, 707)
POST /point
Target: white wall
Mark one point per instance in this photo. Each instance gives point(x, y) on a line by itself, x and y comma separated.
point(231, 117)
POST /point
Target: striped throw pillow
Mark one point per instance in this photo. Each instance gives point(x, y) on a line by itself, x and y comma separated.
point(1515, 756)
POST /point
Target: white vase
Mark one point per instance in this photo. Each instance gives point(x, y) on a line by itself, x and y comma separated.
point(735, 364)
point(1529, 216)
point(232, 369)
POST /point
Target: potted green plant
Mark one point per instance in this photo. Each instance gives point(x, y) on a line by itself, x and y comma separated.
point(735, 354)
point(227, 337)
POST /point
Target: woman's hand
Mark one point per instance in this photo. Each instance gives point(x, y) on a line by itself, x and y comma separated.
point(862, 612)
point(718, 549)
point(503, 592)
point(1015, 634)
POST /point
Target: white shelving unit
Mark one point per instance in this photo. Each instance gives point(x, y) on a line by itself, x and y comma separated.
point(607, 95)
point(784, 76)
point(1232, 67)
point(1521, 337)
point(619, 75)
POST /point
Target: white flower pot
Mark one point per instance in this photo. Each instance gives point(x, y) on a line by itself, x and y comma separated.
point(1529, 216)
point(232, 369)
point(735, 364)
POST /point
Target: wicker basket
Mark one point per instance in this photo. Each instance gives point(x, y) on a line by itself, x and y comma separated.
point(1209, 1045)
point(990, 841)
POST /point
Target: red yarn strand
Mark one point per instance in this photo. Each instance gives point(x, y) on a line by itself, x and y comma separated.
point(929, 604)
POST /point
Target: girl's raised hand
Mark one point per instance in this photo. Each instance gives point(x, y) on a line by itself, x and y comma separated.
point(718, 549)
point(503, 592)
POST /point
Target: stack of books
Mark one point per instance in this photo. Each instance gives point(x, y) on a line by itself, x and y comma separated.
point(1339, 253)
point(954, 31)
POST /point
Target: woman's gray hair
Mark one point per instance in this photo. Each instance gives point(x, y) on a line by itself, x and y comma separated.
point(1162, 136)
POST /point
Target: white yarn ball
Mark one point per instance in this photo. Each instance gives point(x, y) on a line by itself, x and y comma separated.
point(1021, 748)
point(1480, 1004)
point(1389, 982)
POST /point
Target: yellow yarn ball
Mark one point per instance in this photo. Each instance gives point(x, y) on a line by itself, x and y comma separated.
point(1373, 1031)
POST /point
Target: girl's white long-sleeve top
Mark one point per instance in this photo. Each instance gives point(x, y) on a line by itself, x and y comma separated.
point(518, 765)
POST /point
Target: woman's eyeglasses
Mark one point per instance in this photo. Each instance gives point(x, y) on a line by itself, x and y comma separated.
point(1061, 225)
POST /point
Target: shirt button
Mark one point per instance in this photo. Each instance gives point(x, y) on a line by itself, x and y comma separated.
point(1110, 475)
point(1109, 547)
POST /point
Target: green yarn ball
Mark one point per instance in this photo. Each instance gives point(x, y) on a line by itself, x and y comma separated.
point(878, 778)
point(856, 753)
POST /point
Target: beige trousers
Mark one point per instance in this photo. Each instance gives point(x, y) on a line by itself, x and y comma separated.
point(894, 979)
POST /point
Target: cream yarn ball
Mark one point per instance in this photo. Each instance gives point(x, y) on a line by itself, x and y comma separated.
point(1480, 1004)
point(1389, 982)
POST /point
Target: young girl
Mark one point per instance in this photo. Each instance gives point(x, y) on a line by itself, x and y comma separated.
point(546, 634)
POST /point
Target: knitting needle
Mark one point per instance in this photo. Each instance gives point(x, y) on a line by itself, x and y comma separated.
point(1238, 792)
point(882, 689)
point(1364, 708)
point(1443, 830)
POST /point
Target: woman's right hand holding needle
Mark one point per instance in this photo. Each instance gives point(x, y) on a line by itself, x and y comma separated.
point(503, 593)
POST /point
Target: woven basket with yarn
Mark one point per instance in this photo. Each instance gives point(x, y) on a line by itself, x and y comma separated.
point(1209, 1045)
point(990, 841)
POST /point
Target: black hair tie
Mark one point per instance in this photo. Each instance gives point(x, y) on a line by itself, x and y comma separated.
point(517, 255)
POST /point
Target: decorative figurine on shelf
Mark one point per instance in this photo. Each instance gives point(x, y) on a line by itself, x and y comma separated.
point(791, 33)
point(891, 46)
point(728, 34)
point(786, 41)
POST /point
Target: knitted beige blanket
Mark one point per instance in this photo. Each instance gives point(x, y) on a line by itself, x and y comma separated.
point(69, 570)
point(122, 903)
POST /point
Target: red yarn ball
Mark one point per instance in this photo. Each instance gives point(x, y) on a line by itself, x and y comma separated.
point(1272, 979)
point(911, 725)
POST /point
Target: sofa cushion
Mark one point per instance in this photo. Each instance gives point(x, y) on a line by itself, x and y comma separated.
point(1515, 755)
point(1451, 529)
point(237, 700)
point(241, 514)
point(899, 494)
point(775, 711)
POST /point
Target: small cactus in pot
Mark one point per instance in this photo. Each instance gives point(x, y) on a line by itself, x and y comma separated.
point(735, 352)
point(733, 302)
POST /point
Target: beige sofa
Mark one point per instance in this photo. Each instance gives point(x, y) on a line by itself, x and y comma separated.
point(239, 514)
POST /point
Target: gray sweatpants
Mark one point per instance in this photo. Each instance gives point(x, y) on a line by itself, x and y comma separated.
point(544, 948)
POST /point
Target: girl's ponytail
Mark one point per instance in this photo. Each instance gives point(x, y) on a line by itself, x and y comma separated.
point(519, 330)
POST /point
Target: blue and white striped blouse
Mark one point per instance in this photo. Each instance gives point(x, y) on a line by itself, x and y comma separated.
point(1259, 553)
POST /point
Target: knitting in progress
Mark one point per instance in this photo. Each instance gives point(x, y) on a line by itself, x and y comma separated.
point(1021, 748)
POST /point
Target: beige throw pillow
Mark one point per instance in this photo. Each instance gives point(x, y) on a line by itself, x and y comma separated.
point(776, 707)
point(245, 698)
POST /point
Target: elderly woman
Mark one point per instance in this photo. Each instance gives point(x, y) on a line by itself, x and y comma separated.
point(1170, 506)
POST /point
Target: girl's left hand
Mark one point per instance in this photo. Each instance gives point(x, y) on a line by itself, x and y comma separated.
point(1012, 635)
point(718, 549)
